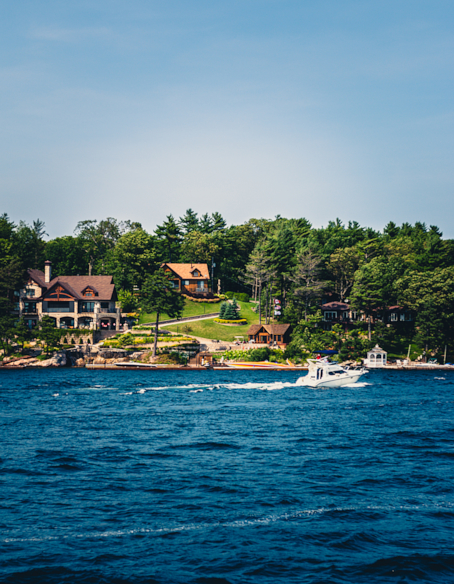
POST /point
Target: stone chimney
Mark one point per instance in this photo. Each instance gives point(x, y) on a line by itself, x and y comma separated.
point(47, 271)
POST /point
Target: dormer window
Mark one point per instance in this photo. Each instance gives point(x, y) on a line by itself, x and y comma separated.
point(89, 292)
point(196, 273)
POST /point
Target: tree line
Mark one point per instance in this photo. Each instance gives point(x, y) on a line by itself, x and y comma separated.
point(408, 265)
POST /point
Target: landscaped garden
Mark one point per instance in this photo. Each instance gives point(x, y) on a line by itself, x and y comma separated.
point(208, 329)
point(190, 309)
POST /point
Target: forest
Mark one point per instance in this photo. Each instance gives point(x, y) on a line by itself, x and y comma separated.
point(408, 265)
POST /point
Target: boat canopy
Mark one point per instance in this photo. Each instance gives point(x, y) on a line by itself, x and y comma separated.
point(326, 352)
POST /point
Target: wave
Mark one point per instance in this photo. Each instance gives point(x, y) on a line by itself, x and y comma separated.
point(251, 521)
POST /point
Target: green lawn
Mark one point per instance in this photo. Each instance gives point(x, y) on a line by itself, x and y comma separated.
point(190, 309)
point(209, 329)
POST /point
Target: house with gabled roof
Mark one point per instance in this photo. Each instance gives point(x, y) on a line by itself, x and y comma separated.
point(190, 279)
point(71, 301)
point(278, 334)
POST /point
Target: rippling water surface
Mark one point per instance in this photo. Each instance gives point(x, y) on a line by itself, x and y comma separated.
point(225, 477)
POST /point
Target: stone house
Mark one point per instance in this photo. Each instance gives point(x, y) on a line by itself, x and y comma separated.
point(72, 301)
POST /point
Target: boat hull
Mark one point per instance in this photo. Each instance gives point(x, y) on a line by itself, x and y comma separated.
point(327, 383)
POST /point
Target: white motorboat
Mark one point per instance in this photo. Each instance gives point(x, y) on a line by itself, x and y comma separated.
point(323, 373)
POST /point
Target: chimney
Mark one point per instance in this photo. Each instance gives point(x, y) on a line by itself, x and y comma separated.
point(47, 271)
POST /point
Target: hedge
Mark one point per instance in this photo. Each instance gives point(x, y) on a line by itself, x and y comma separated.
point(223, 321)
point(241, 296)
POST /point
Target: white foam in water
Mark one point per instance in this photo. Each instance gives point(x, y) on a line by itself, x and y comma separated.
point(55, 394)
point(142, 391)
point(239, 523)
point(195, 390)
point(358, 384)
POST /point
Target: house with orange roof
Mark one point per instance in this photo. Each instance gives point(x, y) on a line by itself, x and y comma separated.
point(190, 279)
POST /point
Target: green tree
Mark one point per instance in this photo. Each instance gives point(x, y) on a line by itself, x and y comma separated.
point(22, 333)
point(133, 259)
point(198, 247)
point(7, 322)
point(48, 333)
point(67, 255)
point(306, 278)
point(189, 222)
point(156, 296)
point(168, 240)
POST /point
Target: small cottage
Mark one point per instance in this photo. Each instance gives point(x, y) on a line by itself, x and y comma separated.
point(190, 279)
point(278, 334)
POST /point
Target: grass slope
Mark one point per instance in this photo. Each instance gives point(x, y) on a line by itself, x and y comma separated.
point(190, 309)
point(208, 329)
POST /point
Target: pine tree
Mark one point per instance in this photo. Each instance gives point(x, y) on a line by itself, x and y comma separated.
point(189, 222)
point(222, 310)
point(169, 240)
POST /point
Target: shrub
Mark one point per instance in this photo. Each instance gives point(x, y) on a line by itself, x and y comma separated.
point(227, 321)
point(241, 296)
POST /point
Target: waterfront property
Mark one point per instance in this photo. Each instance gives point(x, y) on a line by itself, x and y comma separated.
point(342, 313)
point(190, 279)
point(278, 334)
point(71, 301)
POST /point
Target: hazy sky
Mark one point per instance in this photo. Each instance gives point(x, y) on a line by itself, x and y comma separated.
point(304, 108)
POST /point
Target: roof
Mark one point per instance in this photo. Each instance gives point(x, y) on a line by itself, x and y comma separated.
point(271, 329)
point(76, 284)
point(335, 306)
point(38, 277)
point(377, 349)
point(185, 271)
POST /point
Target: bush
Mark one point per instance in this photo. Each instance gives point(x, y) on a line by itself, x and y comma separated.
point(230, 321)
point(241, 296)
point(261, 354)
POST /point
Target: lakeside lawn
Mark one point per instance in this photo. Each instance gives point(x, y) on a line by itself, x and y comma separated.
point(190, 309)
point(208, 329)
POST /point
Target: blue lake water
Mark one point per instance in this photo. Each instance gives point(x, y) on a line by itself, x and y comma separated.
point(225, 477)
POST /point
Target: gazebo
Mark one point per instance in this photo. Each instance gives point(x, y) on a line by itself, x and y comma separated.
point(376, 357)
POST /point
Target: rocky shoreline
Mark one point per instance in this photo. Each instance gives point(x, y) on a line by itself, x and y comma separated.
point(79, 356)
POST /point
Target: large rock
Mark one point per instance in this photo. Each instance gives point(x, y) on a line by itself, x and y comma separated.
point(80, 362)
point(57, 360)
point(99, 360)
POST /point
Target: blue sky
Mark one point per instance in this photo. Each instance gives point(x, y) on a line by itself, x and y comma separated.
point(317, 109)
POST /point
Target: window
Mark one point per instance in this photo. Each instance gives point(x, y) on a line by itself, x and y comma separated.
point(278, 337)
point(393, 317)
point(185, 282)
point(88, 307)
point(29, 292)
point(200, 285)
point(104, 305)
point(330, 315)
point(402, 317)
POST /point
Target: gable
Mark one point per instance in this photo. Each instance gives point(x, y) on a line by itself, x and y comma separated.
point(58, 292)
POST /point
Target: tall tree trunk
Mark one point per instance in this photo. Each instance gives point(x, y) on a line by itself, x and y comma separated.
point(90, 267)
point(266, 305)
point(260, 305)
point(155, 345)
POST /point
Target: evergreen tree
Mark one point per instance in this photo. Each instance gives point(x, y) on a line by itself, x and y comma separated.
point(222, 309)
point(206, 224)
point(48, 333)
point(169, 240)
point(218, 222)
point(189, 222)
